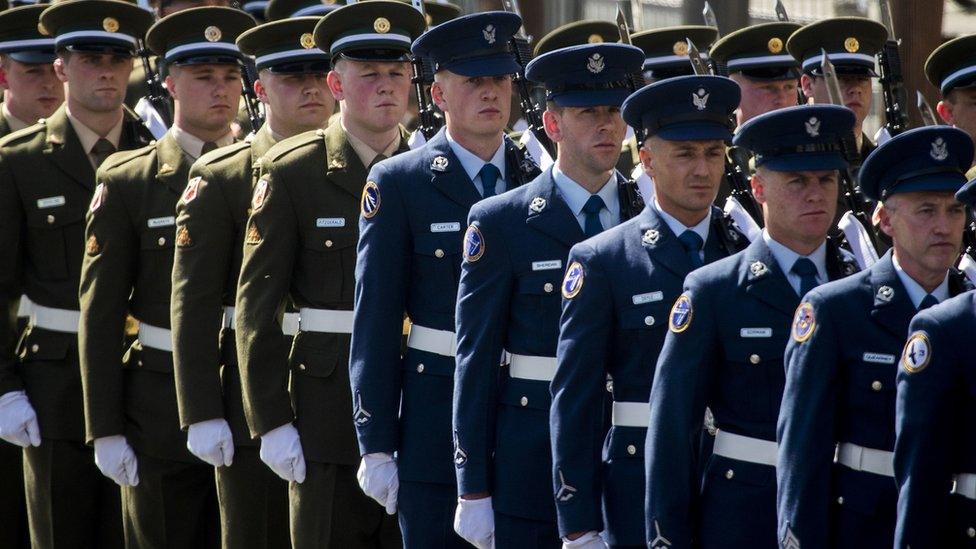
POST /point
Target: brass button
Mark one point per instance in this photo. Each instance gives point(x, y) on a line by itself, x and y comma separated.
point(631, 449)
point(438, 253)
point(161, 241)
point(420, 368)
point(548, 287)
point(35, 347)
point(971, 532)
point(729, 474)
point(840, 500)
point(524, 401)
point(649, 320)
point(876, 385)
point(50, 220)
point(328, 243)
point(754, 359)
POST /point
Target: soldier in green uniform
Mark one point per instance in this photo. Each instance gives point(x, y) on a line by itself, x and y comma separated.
point(952, 69)
point(300, 243)
point(130, 402)
point(47, 175)
point(210, 221)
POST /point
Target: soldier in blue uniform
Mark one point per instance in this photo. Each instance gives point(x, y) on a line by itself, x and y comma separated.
point(508, 300)
point(937, 393)
point(414, 209)
point(616, 293)
point(728, 330)
point(847, 336)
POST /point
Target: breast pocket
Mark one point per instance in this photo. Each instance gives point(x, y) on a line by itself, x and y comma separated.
point(437, 261)
point(752, 378)
point(538, 295)
point(328, 264)
point(645, 324)
point(55, 237)
point(156, 260)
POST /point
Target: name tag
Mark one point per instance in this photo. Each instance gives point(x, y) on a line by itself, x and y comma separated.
point(756, 332)
point(547, 265)
point(161, 222)
point(879, 358)
point(445, 227)
point(50, 202)
point(649, 297)
point(330, 222)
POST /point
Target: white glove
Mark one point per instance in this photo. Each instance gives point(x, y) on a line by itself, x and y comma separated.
point(116, 460)
point(589, 540)
point(379, 480)
point(474, 521)
point(281, 450)
point(211, 441)
point(18, 422)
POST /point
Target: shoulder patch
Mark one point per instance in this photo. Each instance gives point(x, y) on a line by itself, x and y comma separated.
point(573, 281)
point(681, 314)
point(917, 353)
point(260, 194)
point(190, 192)
point(96, 200)
point(371, 200)
point(804, 323)
point(474, 244)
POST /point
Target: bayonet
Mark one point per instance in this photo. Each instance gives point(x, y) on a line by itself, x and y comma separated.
point(781, 14)
point(928, 116)
point(710, 18)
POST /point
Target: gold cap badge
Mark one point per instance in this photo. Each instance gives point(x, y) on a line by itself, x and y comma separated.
point(680, 48)
point(595, 39)
point(381, 25)
point(212, 33)
point(775, 45)
point(307, 41)
point(852, 45)
point(110, 24)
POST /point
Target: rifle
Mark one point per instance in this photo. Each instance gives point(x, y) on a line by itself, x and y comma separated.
point(783, 16)
point(892, 83)
point(736, 160)
point(530, 110)
point(423, 76)
point(630, 198)
point(157, 95)
point(251, 101)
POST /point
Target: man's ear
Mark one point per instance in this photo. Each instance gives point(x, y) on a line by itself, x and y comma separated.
point(806, 84)
point(334, 81)
point(646, 160)
point(59, 70)
point(550, 122)
point(758, 188)
point(945, 111)
point(170, 84)
point(261, 91)
point(437, 96)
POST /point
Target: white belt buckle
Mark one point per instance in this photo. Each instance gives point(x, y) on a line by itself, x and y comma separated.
point(532, 368)
point(965, 485)
point(630, 414)
point(743, 448)
point(439, 342)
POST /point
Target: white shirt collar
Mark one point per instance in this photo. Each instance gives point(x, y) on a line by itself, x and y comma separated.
point(471, 163)
point(915, 290)
point(193, 145)
point(678, 227)
point(786, 257)
point(576, 196)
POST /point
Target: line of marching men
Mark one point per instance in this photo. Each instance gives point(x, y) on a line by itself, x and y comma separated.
point(316, 337)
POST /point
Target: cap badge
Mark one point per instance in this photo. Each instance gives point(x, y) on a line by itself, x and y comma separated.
point(595, 63)
point(212, 33)
point(885, 294)
point(680, 48)
point(595, 39)
point(489, 34)
point(651, 237)
point(700, 99)
point(110, 24)
point(813, 127)
point(381, 25)
point(307, 41)
point(940, 150)
point(775, 45)
point(439, 164)
point(758, 269)
point(852, 45)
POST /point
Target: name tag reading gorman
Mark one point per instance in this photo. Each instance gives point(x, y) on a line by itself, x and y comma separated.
point(50, 202)
point(756, 332)
point(879, 358)
point(156, 222)
point(445, 227)
point(550, 265)
point(649, 297)
point(330, 222)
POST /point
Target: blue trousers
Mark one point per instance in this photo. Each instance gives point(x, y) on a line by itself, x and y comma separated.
point(426, 512)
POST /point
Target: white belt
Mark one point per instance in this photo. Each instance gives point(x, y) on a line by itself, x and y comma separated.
point(325, 320)
point(965, 485)
point(56, 320)
point(742, 448)
point(533, 368)
point(24, 309)
point(630, 414)
point(289, 322)
point(439, 342)
point(155, 337)
point(859, 458)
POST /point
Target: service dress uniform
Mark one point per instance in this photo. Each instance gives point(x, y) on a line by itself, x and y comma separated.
point(300, 245)
point(414, 210)
point(508, 300)
point(839, 396)
point(950, 66)
point(211, 217)
point(616, 292)
point(724, 350)
point(128, 263)
point(47, 175)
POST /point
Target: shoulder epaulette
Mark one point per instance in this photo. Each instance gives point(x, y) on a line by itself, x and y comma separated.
point(290, 144)
point(222, 153)
point(23, 133)
point(124, 157)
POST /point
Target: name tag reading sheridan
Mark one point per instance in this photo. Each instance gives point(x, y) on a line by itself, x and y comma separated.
point(330, 222)
point(445, 227)
point(550, 265)
point(155, 222)
point(756, 332)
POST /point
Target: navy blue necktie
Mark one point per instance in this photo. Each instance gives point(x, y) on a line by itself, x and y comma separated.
point(927, 301)
point(591, 223)
point(807, 271)
point(692, 244)
point(489, 177)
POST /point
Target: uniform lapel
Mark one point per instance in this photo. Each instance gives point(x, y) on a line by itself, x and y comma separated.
point(765, 281)
point(547, 212)
point(64, 149)
point(661, 244)
point(449, 176)
point(344, 168)
point(172, 164)
point(892, 309)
